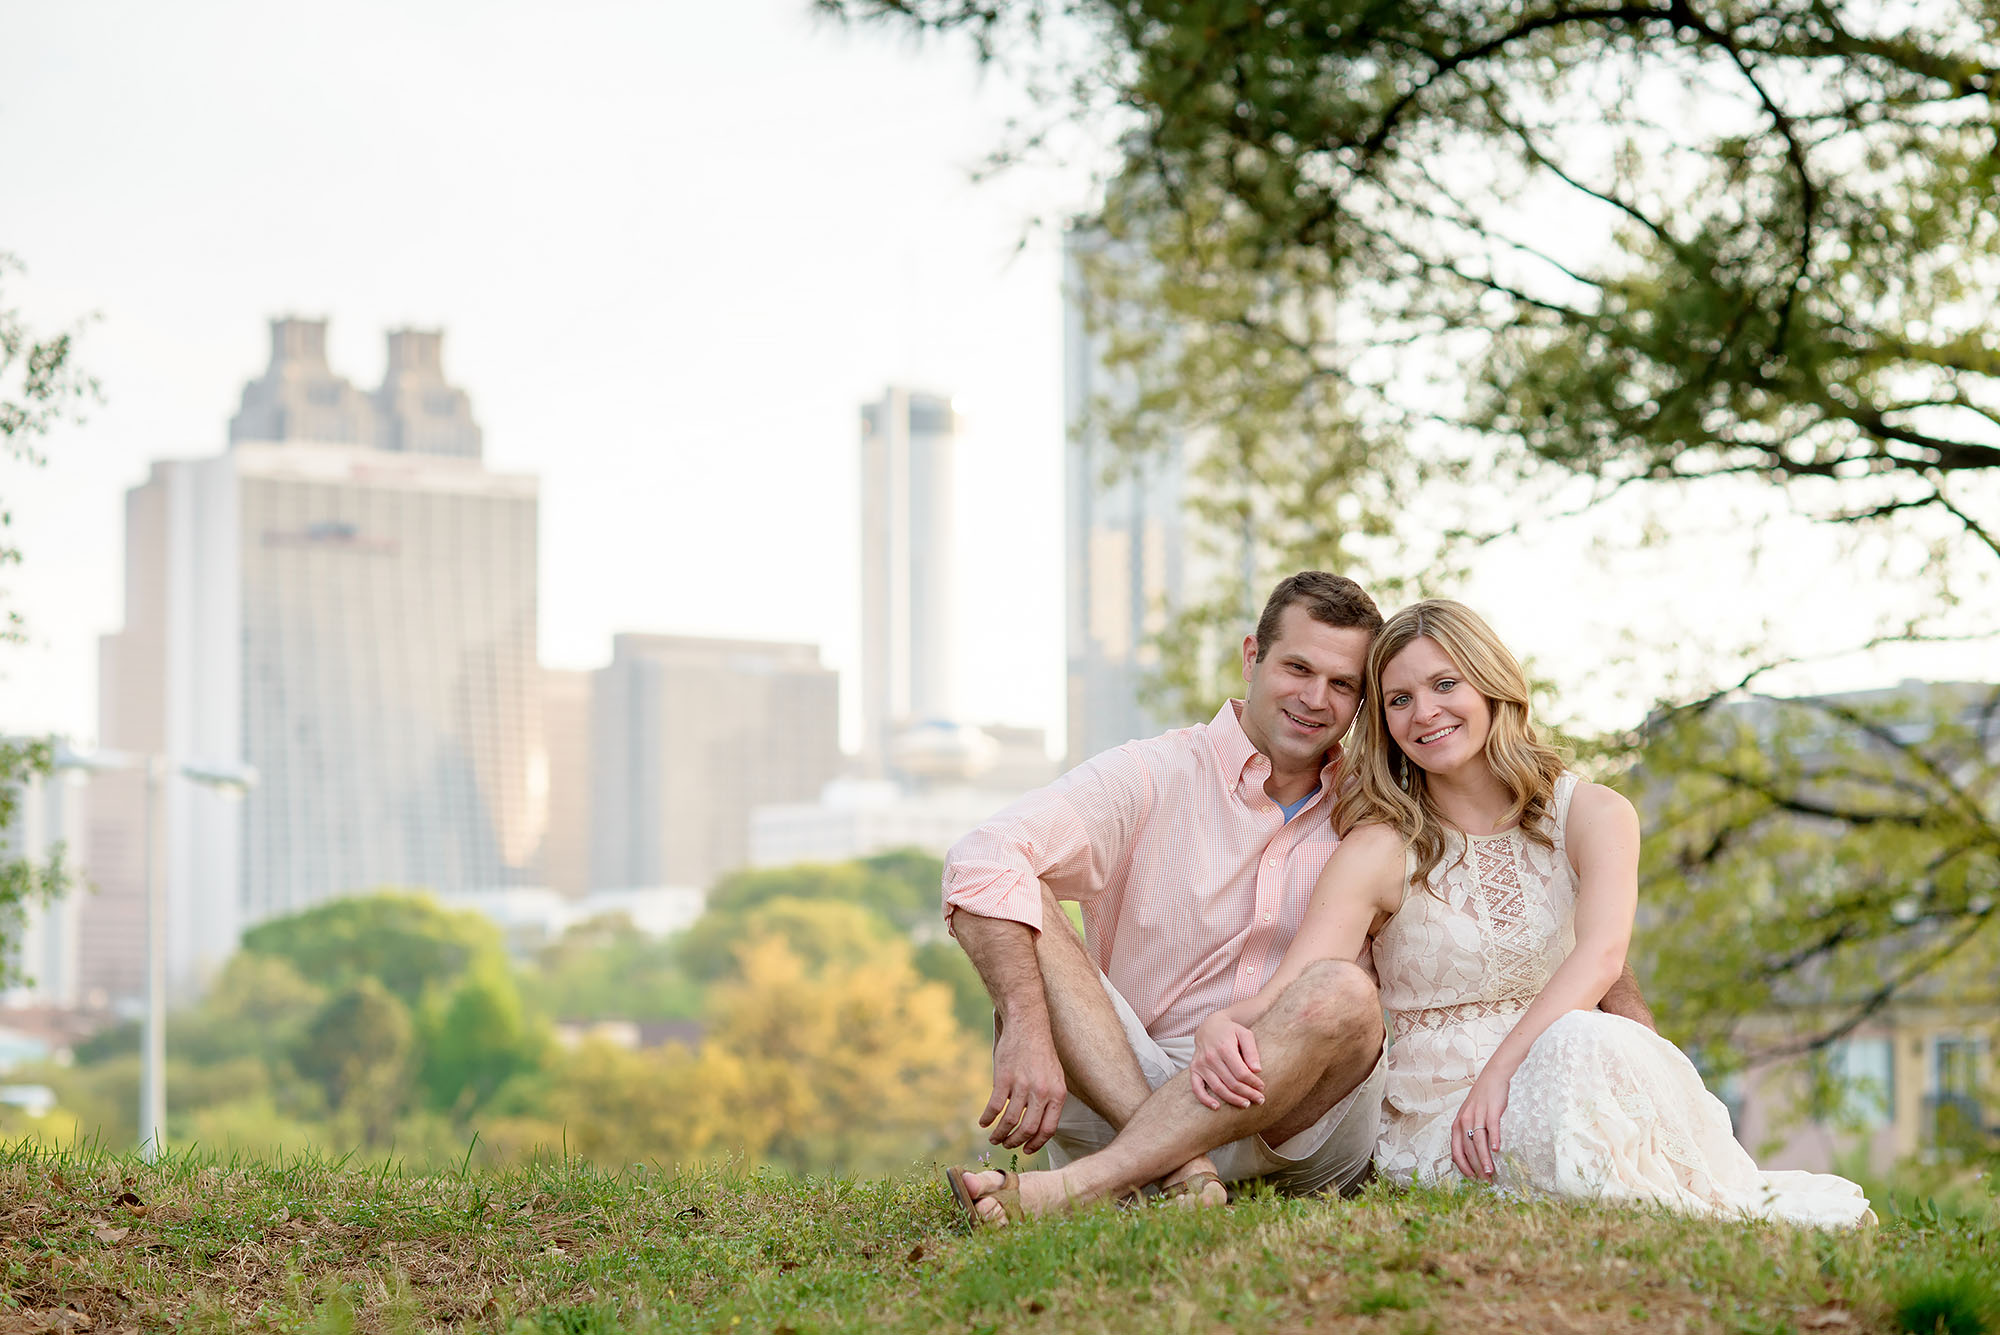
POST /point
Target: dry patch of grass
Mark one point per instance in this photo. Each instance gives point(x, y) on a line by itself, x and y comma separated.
point(100, 1244)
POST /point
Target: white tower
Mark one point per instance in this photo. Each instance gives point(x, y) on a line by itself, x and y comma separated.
point(908, 439)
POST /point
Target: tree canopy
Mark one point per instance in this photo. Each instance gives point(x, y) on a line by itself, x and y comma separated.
point(1667, 240)
point(408, 943)
point(1815, 860)
point(1358, 247)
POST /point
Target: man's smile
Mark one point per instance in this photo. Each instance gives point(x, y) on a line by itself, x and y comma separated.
point(1304, 724)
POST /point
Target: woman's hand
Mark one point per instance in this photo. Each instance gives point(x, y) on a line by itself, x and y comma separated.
point(1475, 1132)
point(1226, 1068)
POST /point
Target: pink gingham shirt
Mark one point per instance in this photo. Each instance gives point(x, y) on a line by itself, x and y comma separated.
point(1191, 880)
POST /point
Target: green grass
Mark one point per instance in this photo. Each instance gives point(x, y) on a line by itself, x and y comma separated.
point(100, 1243)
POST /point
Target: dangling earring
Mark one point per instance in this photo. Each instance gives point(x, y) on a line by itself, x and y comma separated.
point(1402, 771)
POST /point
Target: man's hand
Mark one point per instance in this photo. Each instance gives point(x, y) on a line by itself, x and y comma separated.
point(1226, 1067)
point(1028, 1088)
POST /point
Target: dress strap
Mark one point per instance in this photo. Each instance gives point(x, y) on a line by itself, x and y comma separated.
point(1566, 783)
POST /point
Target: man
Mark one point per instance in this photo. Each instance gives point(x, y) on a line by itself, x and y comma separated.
point(1193, 855)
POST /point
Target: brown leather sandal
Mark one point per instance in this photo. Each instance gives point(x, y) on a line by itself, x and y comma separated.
point(1008, 1193)
point(1192, 1186)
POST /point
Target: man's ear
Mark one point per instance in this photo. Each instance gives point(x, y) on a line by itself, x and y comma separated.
point(1249, 655)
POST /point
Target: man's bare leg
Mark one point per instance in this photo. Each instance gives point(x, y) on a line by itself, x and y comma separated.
point(1071, 1013)
point(1318, 1042)
point(1097, 1057)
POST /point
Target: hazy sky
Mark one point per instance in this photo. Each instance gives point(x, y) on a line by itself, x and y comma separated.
point(673, 246)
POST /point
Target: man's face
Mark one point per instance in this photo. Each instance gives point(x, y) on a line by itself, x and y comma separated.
point(1304, 692)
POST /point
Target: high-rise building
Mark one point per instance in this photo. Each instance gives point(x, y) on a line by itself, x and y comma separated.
point(687, 735)
point(346, 600)
point(1125, 539)
point(908, 441)
point(566, 733)
point(300, 397)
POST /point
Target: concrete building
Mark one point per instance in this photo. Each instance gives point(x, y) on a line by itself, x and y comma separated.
point(687, 737)
point(1124, 536)
point(345, 600)
point(300, 397)
point(566, 733)
point(908, 442)
point(42, 955)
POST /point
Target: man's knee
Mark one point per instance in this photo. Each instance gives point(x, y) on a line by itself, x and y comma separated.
point(1335, 1000)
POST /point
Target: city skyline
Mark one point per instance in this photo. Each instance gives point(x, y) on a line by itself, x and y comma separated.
point(344, 600)
point(631, 299)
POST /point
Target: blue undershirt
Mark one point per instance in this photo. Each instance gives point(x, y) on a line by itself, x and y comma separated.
point(1291, 809)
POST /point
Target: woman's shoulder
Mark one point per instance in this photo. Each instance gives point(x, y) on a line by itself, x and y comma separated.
point(1372, 845)
point(1595, 805)
point(1373, 837)
point(1373, 859)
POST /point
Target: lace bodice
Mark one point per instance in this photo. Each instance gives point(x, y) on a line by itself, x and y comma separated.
point(1485, 931)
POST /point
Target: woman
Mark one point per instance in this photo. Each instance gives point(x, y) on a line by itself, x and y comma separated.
point(1500, 892)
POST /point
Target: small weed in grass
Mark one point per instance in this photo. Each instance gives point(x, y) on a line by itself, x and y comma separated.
point(1952, 1302)
point(586, 1319)
point(1384, 1296)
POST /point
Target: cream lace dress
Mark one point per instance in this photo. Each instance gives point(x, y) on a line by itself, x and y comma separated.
point(1602, 1108)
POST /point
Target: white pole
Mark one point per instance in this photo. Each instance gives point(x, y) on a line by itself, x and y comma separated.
point(153, 1062)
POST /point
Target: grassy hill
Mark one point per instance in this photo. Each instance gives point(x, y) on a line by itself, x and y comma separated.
point(98, 1243)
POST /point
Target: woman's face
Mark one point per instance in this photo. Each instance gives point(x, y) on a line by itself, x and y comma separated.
point(1439, 720)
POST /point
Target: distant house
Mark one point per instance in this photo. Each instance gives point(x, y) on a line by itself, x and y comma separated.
point(1916, 1080)
point(1918, 1076)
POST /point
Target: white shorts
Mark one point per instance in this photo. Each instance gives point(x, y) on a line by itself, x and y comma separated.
point(1333, 1154)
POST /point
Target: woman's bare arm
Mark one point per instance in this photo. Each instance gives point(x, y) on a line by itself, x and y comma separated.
point(1361, 884)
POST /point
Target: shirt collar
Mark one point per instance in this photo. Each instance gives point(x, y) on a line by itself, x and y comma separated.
point(1233, 747)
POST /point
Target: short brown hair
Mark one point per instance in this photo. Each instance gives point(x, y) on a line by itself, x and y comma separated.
point(1333, 600)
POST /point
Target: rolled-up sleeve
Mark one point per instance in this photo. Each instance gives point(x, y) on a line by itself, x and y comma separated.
point(1074, 836)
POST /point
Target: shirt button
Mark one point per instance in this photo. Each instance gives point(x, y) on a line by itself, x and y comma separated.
point(1250, 969)
point(1270, 862)
point(1268, 810)
point(1267, 917)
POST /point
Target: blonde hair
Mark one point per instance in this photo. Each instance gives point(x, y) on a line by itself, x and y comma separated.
point(1384, 786)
